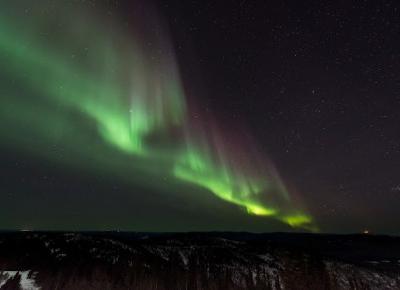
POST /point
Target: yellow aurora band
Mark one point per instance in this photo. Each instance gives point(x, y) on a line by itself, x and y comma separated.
point(90, 80)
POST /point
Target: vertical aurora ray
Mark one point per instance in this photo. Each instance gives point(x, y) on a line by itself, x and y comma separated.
point(134, 97)
point(235, 174)
point(125, 113)
point(207, 163)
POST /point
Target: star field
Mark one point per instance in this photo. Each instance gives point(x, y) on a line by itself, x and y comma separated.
point(242, 115)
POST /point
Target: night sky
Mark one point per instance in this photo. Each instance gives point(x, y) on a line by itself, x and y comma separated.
point(200, 115)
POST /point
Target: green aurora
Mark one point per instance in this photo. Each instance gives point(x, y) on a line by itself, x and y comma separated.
point(98, 87)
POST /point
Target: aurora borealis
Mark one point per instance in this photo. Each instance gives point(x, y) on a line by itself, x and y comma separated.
point(130, 98)
point(189, 116)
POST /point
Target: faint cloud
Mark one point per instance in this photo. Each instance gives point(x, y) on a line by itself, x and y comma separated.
point(396, 188)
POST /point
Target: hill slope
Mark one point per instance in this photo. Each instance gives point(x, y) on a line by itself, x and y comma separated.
point(108, 260)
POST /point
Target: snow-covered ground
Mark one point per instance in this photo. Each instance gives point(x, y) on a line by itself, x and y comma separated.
point(26, 281)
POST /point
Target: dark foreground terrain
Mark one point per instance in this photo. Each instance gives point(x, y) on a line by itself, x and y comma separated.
point(109, 260)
